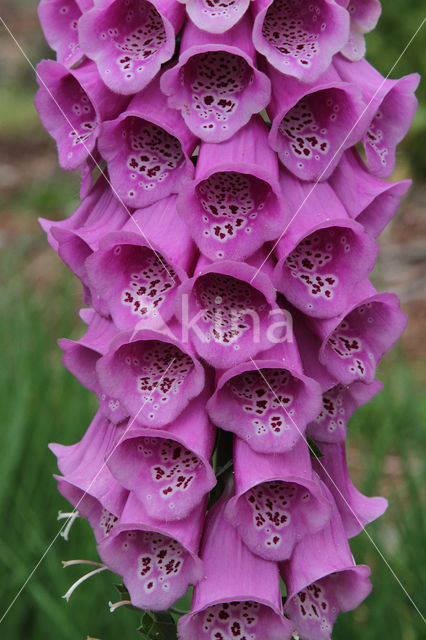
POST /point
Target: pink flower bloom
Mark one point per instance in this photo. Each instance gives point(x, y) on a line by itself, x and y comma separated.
point(157, 560)
point(322, 29)
point(323, 254)
point(364, 16)
point(168, 469)
point(277, 500)
point(322, 580)
point(130, 39)
point(136, 271)
point(234, 204)
point(71, 104)
point(147, 149)
point(215, 84)
point(312, 124)
point(266, 402)
point(232, 601)
point(59, 21)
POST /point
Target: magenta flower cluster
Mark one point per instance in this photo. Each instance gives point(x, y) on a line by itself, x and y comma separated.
point(229, 296)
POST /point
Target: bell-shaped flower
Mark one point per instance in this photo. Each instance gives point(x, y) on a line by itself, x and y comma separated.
point(266, 402)
point(234, 203)
point(356, 510)
point(136, 271)
point(390, 108)
point(147, 149)
point(216, 85)
point(312, 124)
point(322, 580)
point(59, 21)
point(152, 373)
point(168, 469)
point(129, 40)
point(299, 38)
point(364, 16)
point(239, 596)
point(87, 483)
point(277, 500)
point(72, 103)
point(157, 561)
point(353, 343)
point(369, 200)
point(80, 357)
point(215, 16)
point(323, 254)
point(229, 313)
point(338, 404)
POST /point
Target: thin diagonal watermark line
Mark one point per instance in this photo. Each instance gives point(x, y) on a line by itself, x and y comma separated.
point(342, 496)
point(50, 545)
point(358, 120)
point(96, 163)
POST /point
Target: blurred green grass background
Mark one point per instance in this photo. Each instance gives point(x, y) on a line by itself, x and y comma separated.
point(41, 402)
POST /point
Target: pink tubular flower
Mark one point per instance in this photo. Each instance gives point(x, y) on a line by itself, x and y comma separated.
point(322, 580)
point(234, 204)
point(157, 560)
point(390, 108)
point(71, 104)
point(323, 254)
point(277, 500)
point(147, 149)
point(215, 16)
point(152, 374)
point(130, 39)
point(59, 21)
point(266, 402)
point(215, 84)
point(353, 343)
point(338, 404)
point(80, 357)
point(232, 601)
point(86, 481)
point(168, 470)
point(229, 313)
point(369, 200)
point(364, 16)
point(312, 124)
point(356, 510)
point(299, 38)
point(136, 271)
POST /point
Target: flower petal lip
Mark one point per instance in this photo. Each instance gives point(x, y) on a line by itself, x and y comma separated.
point(218, 18)
point(59, 21)
point(244, 162)
point(323, 254)
point(356, 509)
point(254, 90)
point(232, 573)
point(71, 104)
point(306, 63)
point(126, 67)
point(277, 500)
point(117, 378)
point(226, 412)
point(145, 460)
point(313, 123)
point(367, 199)
point(225, 327)
point(339, 404)
point(125, 550)
point(364, 17)
point(165, 172)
